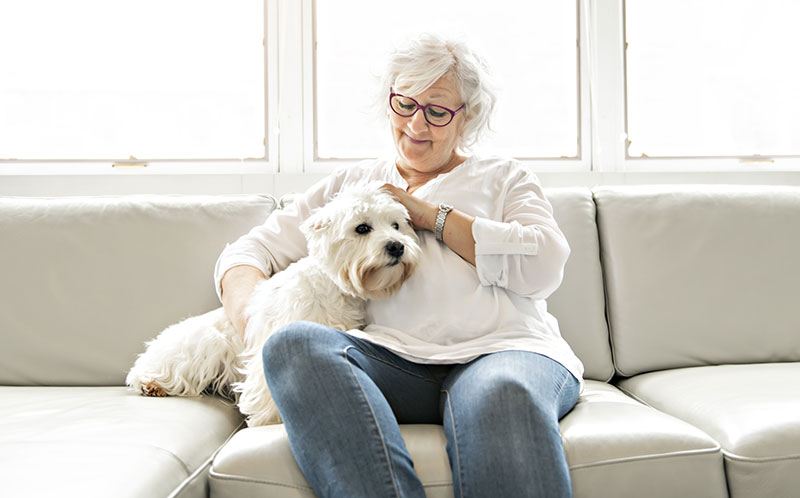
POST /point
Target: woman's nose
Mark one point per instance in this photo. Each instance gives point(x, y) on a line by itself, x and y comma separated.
point(418, 122)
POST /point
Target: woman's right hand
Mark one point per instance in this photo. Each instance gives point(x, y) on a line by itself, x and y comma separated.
point(237, 287)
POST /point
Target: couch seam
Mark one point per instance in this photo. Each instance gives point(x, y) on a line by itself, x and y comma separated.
point(230, 477)
point(743, 459)
point(604, 277)
point(635, 397)
point(438, 484)
point(206, 465)
point(655, 456)
point(190, 478)
point(726, 453)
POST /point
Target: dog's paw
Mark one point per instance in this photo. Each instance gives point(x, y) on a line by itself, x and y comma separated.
point(153, 389)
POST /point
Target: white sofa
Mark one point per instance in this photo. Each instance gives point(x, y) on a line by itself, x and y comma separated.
point(682, 302)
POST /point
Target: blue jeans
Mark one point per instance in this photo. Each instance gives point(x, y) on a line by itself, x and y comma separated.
point(342, 398)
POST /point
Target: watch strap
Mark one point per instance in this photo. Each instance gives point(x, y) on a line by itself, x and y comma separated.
point(441, 216)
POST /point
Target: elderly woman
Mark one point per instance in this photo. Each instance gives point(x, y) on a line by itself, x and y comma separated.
point(466, 343)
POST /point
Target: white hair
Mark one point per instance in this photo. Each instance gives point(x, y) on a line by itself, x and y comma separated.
point(417, 66)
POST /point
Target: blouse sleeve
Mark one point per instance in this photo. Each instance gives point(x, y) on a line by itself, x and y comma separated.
point(526, 251)
point(278, 242)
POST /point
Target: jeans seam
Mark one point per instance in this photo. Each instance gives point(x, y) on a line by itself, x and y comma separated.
point(567, 375)
point(375, 420)
point(396, 367)
point(455, 445)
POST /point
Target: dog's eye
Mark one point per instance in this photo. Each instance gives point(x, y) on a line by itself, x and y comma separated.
point(395, 226)
point(363, 229)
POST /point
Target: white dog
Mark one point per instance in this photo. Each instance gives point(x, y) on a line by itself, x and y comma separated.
point(361, 246)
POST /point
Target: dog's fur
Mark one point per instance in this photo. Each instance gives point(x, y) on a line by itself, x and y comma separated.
point(361, 246)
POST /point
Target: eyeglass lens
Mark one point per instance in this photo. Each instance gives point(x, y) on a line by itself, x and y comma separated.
point(434, 114)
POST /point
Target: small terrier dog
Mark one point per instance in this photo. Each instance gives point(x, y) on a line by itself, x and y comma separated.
point(361, 245)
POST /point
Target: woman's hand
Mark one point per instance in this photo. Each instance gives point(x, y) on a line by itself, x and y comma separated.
point(457, 234)
point(237, 286)
point(422, 213)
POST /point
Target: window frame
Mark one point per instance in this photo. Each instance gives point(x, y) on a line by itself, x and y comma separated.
point(722, 163)
point(291, 164)
point(314, 164)
point(182, 166)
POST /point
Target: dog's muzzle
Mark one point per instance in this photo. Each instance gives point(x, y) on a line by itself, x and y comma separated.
point(395, 250)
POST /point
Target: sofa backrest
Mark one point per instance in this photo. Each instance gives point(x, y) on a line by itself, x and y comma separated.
point(85, 281)
point(700, 275)
point(579, 304)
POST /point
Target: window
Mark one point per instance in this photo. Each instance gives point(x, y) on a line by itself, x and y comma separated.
point(713, 78)
point(95, 79)
point(531, 46)
point(268, 95)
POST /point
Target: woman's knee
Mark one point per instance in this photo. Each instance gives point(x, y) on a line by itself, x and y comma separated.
point(505, 393)
point(296, 345)
point(499, 390)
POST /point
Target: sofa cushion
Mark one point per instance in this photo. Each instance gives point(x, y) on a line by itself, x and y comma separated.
point(579, 304)
point(700, 275)
point(87, 280)
point(239, 469)
point(752, 410)
point(107, 441)
point(615, 446)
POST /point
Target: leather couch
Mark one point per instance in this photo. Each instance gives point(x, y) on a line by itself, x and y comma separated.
point(682, 301)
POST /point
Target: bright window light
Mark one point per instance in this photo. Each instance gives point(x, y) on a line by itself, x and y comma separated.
point(712, 78)
point(531, 47)
point(100, 79)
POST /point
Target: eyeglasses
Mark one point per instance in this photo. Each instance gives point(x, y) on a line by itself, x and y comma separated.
point(435, 115)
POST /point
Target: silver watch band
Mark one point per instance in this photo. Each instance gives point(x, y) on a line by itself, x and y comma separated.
point(438, 229)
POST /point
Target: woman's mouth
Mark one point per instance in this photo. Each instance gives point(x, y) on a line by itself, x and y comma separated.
point(414, 140)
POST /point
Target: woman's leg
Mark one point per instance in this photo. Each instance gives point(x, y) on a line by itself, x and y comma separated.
point(501, 415)
point(336, 396)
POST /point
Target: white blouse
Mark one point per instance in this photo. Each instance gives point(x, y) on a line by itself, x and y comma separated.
point(448, 311)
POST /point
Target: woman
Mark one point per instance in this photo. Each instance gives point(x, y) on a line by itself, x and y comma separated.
point(466, 343)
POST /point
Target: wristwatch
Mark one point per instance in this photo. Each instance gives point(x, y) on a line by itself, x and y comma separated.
point(438, 229)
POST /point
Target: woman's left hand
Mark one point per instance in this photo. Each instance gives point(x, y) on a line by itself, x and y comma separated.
point(422, 213)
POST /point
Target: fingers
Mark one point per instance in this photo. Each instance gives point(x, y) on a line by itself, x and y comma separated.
point(388, 187)
point(418, 210)
point(399, 194)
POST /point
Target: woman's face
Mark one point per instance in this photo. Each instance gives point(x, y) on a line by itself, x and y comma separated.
point(421, 146)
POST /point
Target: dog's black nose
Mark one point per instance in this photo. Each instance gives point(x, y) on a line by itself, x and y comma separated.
point(395, 249)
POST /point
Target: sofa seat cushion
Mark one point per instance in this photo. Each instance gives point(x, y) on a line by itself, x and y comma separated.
point(615, 446)
point(618, 447)
point(753, 411)
point(108, 441)
point(258, 462)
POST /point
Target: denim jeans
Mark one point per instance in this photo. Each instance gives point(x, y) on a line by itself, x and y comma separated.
point(342, 398)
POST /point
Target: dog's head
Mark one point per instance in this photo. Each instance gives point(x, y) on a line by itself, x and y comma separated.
point(364, 238)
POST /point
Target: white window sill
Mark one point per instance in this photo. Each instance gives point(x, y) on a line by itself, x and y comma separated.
point(25, 168)
point(237, 178)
